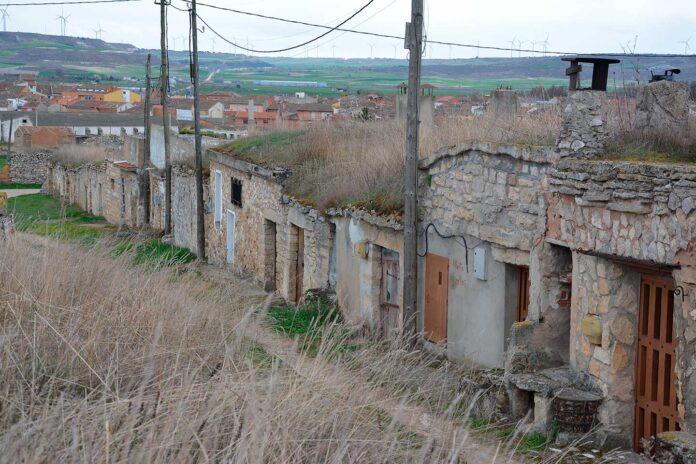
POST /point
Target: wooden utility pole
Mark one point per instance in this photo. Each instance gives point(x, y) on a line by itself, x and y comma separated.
point(143, 177)
point(148, 127)
point(414, 43)
point(200, 216)
point(164, 82)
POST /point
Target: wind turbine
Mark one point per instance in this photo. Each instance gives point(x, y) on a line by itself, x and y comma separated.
point(98, 32)
point(512, 45)
point(333, 50)
point(686, 45)
point(63, 22)
point(395, 47)
point(544, 44)
point(5, 15)
point(372, 46)
point(212, 42)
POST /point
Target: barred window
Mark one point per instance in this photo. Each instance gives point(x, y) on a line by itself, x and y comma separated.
point(236, 192)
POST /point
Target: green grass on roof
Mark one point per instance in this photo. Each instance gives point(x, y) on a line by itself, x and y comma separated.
point(270, 150)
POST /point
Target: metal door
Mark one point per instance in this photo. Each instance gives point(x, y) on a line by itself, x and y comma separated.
point(656, 396)
point(436, 282)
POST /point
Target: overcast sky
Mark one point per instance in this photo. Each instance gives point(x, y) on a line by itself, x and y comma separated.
point(571, 25)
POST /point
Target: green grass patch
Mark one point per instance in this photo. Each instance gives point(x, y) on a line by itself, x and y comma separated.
point(3, 161)
point(532, 442)
point(69, 230)
point(29, 209)
point(16, 185)
point(273, 149)
point(313, 323)
point(260, 358)
point(156, 252)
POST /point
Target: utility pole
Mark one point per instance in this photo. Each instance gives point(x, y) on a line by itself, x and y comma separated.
point(414, 44)
point(148, 127)
point(164, 83)
point(200, 217)
point(144, 179)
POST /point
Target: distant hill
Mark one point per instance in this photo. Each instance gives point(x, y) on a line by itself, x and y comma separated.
point(81, 59)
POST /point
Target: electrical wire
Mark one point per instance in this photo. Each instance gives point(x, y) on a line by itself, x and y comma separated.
point(436, 42)
point(74, 2)
point(280, 50)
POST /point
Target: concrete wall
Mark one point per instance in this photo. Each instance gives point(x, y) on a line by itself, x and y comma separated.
point(359, 277)
point(479, 312)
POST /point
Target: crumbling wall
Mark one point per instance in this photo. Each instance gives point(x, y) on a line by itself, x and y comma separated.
point(662, 109)
point(184, 206)
point(584, 124)
point(359, 241)
point(29, 167)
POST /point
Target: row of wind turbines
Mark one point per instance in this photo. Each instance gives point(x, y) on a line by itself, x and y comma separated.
point(61, 17)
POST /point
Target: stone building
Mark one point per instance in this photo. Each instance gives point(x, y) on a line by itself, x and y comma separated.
point(256, 229)
point(482, 214)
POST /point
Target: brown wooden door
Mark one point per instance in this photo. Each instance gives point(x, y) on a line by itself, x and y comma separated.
point(523, 294)
point(436, 282)
point(656, 396)
point(299, 265)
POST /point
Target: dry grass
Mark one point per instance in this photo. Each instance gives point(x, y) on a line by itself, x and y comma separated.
point(103, 362)
point(362, 163)
point(78, 155)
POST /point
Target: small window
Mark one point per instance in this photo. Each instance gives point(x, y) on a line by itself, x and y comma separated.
point(236, 192)
point(113, 184)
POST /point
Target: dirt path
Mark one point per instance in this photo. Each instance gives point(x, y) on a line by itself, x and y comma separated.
point(434, 429)
point(18, 192)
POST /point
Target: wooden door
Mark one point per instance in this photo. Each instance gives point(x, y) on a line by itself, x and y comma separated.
point(436, 282)
point(299, 265)
point(523, 294)
point(390, 294)
point(656, 396)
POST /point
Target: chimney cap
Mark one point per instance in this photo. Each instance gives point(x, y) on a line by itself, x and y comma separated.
point(600, 71)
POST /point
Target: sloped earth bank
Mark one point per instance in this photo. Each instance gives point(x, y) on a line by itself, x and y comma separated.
point(102, 361)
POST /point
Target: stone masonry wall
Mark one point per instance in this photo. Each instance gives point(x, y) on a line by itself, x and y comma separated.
point(583, 127)
point(640, 211)
point(184, 206)
point(28, 167)
point(489, 191)
point(610, 292)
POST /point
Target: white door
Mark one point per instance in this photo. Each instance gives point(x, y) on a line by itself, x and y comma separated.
point(231, 220)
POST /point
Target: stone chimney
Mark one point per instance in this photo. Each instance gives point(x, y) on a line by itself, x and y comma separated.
point(504, 104)
point(583, 126)
point(250, 110)
point(662, 109)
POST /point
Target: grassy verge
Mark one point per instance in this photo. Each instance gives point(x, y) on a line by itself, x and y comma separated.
point(40, 207)
point(16, 185)
point(155, 253)
point(316, 324)
point(3, 160)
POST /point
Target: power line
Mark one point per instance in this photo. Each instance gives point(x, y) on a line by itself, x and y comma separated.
point(75, 2)
point(286, 49)
point(401, 38)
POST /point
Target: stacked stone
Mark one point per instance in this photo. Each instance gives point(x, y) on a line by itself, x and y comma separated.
point(583, 129)
point(627, 209)
point(662, 110)
point(28, 167)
